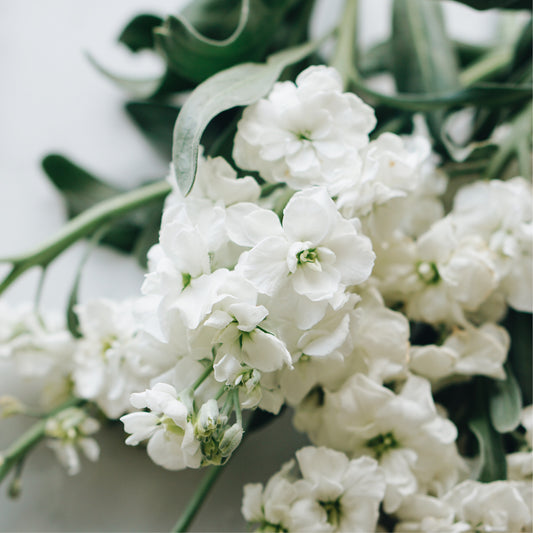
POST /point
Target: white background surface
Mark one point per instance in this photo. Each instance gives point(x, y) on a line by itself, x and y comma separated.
point(52, 100)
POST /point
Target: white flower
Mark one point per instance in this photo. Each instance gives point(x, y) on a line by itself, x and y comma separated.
point(496, 506)
point(345, 494)
point(412, 443)
point(316, 251)
point(110, 362)
point(304, 133)
point(391, 169)
point(271, 505)
point(171, 443)
point(39, 345)
point(68, 432)
point(501, 213)
point(334, 494)
point(468, 351)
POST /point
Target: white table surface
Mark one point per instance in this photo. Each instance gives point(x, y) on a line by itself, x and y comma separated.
point(52, 100)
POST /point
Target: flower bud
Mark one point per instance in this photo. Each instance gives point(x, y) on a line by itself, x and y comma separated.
point(208, 419)
point(231, 439)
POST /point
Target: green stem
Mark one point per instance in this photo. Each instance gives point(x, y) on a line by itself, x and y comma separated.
point(344, 57)
point(220, 392)
point(197, 499)
point(237, 406)
point(203, 377)
point(29, 439)
point(83, 225)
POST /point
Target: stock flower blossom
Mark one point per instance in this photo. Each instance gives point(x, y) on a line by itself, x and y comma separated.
point(68, 432)
point(414, 446)
point(111, 362)
point(305, 133)
point(334, 494)
point(39, 346)
point(467, 351)
point(171, 440)
point(499, 506)
point(315, 251)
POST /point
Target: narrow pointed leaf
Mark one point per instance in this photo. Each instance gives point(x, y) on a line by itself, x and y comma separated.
point(487, 95)
point(237, 86)
point(501, 4)
point(423, 58)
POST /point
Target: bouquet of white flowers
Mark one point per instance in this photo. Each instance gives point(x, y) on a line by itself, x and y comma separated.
point(319, 245)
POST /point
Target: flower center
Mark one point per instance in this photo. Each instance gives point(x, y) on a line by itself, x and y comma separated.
point(428, 272)
point(382, 443)
point(186, 280)
point(333, 511)
point(303, 135)
point(307, 256)
point(171, 426)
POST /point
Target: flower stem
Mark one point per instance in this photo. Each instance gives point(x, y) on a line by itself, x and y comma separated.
point(237, 406)
point(81, 226)
point(203, 377)
point(197, 499)
point(14, 454)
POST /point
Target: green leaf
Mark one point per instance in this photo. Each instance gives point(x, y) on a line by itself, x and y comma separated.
point(492, 460)
point(423, 58)
point(81, 190)
point(505, 403)
point(139, 33)
point(139, 87)
point(488, 95)
point(501, 4)
point(519, 326)
point(156, 121)
point(237, 86)
point(211, 35)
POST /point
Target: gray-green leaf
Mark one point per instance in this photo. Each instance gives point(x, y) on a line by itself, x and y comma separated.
point(492, 464)
point(505, 403)
point(138, 87)
point(423, 58)
point(237, 86)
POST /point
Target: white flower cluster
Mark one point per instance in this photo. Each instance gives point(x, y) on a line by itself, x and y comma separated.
point(310, 291)
point(332, 494)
